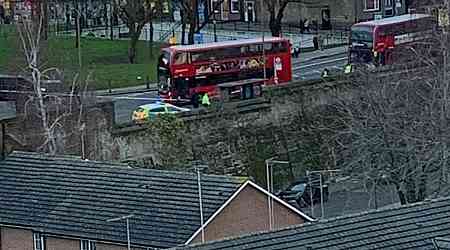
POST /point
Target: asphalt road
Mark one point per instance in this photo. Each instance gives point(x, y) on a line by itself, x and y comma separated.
point(303, 69)
point(312, 69)
point(125, 104)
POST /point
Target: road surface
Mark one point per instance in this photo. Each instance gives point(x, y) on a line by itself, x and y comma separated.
point(312, 69)
point(126, 103)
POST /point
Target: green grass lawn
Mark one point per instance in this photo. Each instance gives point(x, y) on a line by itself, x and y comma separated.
point(106, 61)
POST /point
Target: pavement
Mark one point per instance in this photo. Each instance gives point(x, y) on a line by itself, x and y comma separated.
point(310, 65)
point(162, 32)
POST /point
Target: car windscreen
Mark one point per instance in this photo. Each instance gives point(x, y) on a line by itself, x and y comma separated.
point(140, 110)
point(158, 110)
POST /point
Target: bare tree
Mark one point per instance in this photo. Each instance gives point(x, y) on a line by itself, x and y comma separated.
point(53, 110)
point(394, 128)
point(276, 14)
point(136, 14)
point(189, 10)
point(40, 11)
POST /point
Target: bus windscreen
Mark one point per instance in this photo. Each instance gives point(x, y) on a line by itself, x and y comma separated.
point(362, 35)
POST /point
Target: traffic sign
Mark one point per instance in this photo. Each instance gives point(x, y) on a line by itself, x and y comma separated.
point(278, 64)
point(198, 38)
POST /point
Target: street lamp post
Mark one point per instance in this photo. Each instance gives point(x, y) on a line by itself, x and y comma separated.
point(198, 168)
point(320, 172)
point(126, 217)
point(269, 176)
point(199, 184)
point(215, 30)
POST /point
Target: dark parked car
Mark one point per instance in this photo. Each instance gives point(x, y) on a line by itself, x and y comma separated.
point(300, 192)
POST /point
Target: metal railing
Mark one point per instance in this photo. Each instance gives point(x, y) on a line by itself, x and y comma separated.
point(163, 36)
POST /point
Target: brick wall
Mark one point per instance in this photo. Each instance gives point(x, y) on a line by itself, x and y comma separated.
point(54, 243)
point(22, 239)
point(16, 239)
point(248, 212)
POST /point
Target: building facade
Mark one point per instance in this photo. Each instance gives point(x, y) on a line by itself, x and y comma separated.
point(324, 14)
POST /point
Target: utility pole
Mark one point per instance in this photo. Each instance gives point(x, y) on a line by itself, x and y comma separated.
point(269, 178)
point(199, 184)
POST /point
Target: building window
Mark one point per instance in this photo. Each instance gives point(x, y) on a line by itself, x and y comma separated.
point(215, 6)
point(371, 5)
point(388, 3)
point(165, 7)
point(39, 241)
point(234, 6)
point(87, 245)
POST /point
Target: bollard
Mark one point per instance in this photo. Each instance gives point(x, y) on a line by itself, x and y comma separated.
point(109, 86)
point(148, 82)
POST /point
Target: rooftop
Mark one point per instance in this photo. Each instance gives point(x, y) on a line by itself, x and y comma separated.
point(74, 197)
point(406, 227)
point(395, 19)
point(226, 43)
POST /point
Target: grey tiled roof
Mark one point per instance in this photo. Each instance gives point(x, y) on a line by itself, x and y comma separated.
point(408, 227)
point(70, 196)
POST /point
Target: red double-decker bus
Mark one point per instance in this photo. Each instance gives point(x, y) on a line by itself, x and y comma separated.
point(186, 69)
point(390, 40)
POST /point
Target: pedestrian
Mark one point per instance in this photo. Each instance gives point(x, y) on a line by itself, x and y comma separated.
point(195, 99)
point(302, 26)
point(348, 69)
point(2, 14)
point(325, 73)
point(296, 52)
point(306, 24)
point(316, 43)
point(205, 100)
point(320, 42)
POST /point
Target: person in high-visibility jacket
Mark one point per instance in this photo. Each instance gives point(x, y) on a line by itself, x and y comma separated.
point(325, 73)
point(172, 40)
point(348, 69)
point(205, 100)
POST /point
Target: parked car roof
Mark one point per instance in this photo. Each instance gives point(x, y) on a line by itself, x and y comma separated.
point(156, 105)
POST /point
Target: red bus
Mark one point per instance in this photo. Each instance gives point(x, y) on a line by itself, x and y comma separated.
point(389, 40)
point(186, 69)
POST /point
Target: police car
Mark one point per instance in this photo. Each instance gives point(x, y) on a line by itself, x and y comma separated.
point(152, 110)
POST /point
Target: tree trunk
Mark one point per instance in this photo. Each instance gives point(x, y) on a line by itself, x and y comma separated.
point(183, 28)
point(422, 189)
point(275, 26)
point(151, 38)
point(191, 32)
point(135, 33)
point(401, 195)
point(45, 20)
point(410, 189)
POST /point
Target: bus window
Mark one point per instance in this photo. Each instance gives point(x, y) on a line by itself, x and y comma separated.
point(268, 47)
point(181, 58)
point(255, 49)
point(279, 48)
point(244, 50)
point(230, 52)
